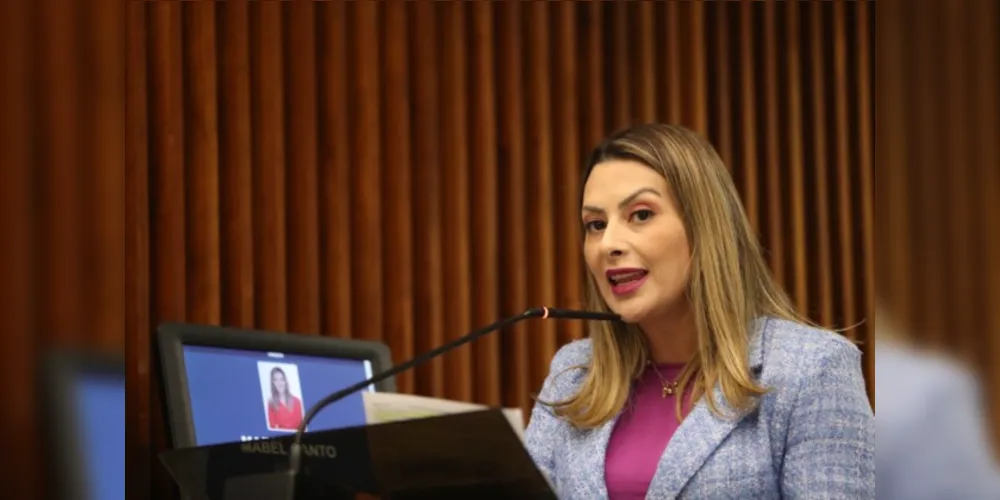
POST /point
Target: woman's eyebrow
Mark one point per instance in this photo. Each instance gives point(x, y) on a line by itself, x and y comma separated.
point(628, 199)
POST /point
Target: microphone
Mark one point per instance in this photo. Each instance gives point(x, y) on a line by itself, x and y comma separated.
point(295, 452)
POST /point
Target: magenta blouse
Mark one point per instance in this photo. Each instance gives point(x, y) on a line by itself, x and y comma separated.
point(641, 435)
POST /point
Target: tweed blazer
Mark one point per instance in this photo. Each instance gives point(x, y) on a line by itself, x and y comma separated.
point(811, 436)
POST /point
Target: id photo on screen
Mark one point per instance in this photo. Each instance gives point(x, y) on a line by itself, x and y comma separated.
point(282, 394)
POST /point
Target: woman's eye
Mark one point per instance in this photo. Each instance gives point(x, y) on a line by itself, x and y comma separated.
point(594, 225)
point(642, 215)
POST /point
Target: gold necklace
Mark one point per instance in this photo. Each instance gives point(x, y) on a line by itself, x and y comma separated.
point(669, 388)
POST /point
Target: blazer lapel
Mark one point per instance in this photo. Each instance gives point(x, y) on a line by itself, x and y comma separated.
point(594, 472)
point(700, 433)
point(696, 438)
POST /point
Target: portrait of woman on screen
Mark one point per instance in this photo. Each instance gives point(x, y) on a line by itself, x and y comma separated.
point(284, 410)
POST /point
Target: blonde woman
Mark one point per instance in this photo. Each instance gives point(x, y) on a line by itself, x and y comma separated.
point(711, 386)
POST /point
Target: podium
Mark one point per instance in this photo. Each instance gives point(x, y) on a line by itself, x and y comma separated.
point(464, 455)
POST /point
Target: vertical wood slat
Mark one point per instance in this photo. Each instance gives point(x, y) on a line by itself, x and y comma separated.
point(697, 79)
point(568, 161)
point(977, 208)
point(486, 241)
point(106, 38)
point(621, 49)
point(927, 147)
point(772, 146)
point(892, 220)
point(673, 67)
point(796, 161)
point(748, 101)
point(867, 186)
point(592, 103)
point(61, 203)
point(866, 151)
point(593, 59)
point(541, 214)
point(302, 168)
point(21, 303)
point(961, 214)
point(43, 218)
point(20, 300)
point(397, 188)
point(168, 238)
point(201, 125)
point(514, 181)
point(167, 161)
point(925, 182)
point(455, 184)
point(367, 181)
point(236, 167)
point(270, 270)
point(428, 224)
point(986, 115)
point(845, 231)
point(335, 157)
point(645, 105)
point(989, 119)
point(910, 148)
point(723, 63)
point(57, 233)
point(137, 262)
point(819, 193)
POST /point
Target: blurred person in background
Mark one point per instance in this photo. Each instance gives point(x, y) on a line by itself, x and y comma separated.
point(711, 386)
point(933, 442)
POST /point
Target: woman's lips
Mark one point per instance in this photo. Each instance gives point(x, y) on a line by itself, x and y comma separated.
point(626, 280)
point(628, 286)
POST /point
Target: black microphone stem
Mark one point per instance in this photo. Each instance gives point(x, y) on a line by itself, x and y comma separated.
point(295, 453)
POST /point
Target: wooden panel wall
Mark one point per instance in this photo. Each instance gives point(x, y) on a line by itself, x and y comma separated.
point(62, 107)
point(396, 171)
point(939, 184)
point(406, 172)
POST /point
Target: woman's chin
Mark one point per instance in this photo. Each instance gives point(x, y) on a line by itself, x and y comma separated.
point(629, 313)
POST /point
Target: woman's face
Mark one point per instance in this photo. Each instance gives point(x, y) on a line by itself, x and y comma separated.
point(635, 243)
point(279, 382)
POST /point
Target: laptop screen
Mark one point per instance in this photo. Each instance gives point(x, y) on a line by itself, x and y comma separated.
point(243, 395)
point(99, 401)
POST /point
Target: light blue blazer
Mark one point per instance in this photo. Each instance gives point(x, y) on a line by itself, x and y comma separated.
point(812, 436)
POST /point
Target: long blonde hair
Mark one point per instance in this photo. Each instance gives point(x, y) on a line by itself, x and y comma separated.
point(730, 285)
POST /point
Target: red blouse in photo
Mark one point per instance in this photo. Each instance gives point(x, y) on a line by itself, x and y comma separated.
point(286, 415)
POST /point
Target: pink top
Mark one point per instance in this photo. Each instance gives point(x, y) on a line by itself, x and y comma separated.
point(641, 435)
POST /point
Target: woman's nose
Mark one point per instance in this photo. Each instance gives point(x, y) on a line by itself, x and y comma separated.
point(612, 242)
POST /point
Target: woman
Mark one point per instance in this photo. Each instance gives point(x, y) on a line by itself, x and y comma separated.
point(284, 411)
point(711, 386)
